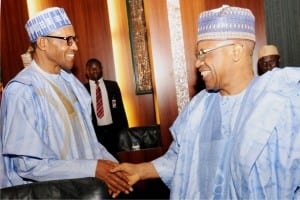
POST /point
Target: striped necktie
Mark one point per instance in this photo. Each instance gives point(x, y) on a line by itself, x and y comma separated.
point(99, 106)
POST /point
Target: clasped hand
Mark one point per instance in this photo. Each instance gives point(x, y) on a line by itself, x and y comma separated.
point(118, 178)
point(130, 171)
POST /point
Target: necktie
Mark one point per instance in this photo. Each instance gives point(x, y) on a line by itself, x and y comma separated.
point(99, 106)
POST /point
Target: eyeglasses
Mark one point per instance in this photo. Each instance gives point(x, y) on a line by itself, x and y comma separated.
point(202, 52)
point(69, 39)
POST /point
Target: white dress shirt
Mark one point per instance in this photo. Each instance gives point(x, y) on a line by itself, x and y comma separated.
point(107, 118)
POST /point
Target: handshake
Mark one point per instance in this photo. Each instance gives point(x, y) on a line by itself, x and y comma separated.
point(120, 177)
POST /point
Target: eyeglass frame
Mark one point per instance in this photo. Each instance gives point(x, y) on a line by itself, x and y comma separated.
point(68, 39)
point(202, 52)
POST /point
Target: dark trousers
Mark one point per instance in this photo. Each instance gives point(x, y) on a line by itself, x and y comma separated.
point(108, 137)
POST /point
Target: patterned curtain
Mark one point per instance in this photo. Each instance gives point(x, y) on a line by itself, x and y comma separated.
point(283, 29)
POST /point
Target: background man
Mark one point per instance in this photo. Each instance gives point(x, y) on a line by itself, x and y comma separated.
point(113, 118)
point(46, 131)
point(268, 58)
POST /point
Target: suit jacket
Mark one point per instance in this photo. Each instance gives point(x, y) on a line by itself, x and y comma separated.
point(118, 112)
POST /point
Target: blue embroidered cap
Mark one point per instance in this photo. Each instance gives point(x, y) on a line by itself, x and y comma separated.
point(46, 22)
point(226, 22)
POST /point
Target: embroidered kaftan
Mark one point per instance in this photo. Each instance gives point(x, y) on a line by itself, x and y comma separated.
point(46, 129)
point(258, 158)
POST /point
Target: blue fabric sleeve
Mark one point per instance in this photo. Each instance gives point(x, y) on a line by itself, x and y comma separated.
point(165, 165)
point(37, 140)
point(48, 169)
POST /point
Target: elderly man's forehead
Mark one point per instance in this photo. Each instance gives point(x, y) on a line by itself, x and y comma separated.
point(212, 43)
point(69, 30)
point(206, 42)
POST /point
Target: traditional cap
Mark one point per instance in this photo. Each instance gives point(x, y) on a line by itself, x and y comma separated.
point(267, 50)
point(46, 22)
point(226, 22)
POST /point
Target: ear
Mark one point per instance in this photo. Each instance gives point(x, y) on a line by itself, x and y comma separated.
point(237, 50)
point(41, 43)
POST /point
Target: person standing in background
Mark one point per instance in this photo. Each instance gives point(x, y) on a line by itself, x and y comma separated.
point(268, 59)
point(111, 118)
point(45, 128)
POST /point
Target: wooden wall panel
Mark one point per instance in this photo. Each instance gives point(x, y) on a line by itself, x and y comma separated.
point(189, 13)
point(141, 107)
point(159, 38)
point(14, 38)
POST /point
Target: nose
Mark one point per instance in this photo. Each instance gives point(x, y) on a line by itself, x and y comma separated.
point(199, 63)
point(94, 71)
point(74, 46)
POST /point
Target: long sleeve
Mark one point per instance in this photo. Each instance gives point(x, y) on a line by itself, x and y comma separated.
point(43, 140)
point(51, 169)
point(165, 165)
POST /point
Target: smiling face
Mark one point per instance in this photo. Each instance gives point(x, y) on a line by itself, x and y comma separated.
point(225, 65)
point(213, 64)
point(267, 63)
point(54, 54)
point(94, 71)
point(60, 51)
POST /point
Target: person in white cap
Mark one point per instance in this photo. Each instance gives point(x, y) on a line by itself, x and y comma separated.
point(268, 58)
point(46, 129)
point(239, 138)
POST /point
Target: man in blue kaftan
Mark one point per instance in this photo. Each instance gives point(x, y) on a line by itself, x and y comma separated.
point(34, 98)
point(46, 129)
point(239, 138)
point(256, 157)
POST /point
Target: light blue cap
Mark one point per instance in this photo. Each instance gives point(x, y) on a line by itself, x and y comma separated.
point(46, 22)
point(226, 22)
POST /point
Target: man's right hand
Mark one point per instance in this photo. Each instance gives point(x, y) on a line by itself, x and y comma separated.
point(116, 182)
point(130, 170)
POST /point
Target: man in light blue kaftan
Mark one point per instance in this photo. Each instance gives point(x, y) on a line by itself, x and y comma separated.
point(46, 128)
point(239, 138)
point(33, 120)
point(254, 155)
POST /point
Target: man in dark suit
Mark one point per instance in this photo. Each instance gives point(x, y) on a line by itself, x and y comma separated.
point(112, 117)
